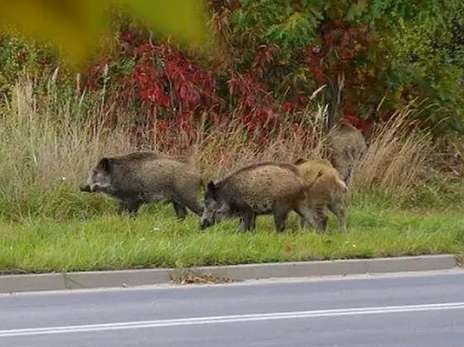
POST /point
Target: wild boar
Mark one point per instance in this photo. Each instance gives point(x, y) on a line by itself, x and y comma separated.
point(325, 190)
point(347, 146)
point(259, 189)
point(144, 177)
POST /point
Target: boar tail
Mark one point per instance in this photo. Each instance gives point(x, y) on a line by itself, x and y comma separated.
point(341, 185)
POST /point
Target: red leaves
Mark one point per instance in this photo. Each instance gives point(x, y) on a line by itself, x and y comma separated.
point(288, 106)
point(242, 85)
point(170, 89)
point(149, 85)
point(343, 51)
point(354, 119)
point(191, 87)
point(171, 86)
point(164, 78)
point(256, 105)
point(173, 70)
point(340, 44)
point(189, 96)
point(315, 59)
point(155, 95)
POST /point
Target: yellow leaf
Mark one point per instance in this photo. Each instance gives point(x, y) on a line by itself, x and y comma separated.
point(184, 20)
point(76, 26)
point(73, 26)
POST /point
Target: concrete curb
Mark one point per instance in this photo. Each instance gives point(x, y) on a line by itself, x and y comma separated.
point(127, 278)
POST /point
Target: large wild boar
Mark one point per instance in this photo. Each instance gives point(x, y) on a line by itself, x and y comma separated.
point(326, 190)
point(144, 177)
point(264, 188)
point(347, 146)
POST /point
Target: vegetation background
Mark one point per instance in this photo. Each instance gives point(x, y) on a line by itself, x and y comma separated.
point(280, 73)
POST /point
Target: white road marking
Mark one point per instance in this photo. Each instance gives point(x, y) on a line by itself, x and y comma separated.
point(230, 319)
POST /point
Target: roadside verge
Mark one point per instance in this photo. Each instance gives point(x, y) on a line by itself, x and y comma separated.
point(128, 278)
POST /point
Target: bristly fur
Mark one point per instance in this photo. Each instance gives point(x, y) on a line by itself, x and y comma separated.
point(150, 155)
point(261, 188)
point(347, 146)
point(253, 166)
point(143, 177)
point(325, 189)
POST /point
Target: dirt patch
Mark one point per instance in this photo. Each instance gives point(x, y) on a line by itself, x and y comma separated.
point(184, 277)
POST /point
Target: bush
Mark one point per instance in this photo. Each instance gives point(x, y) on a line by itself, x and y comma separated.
point(274, 55)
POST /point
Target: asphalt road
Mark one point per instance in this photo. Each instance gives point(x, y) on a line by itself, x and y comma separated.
point(396, 310)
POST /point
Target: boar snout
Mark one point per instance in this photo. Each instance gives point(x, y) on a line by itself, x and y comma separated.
point(84, 187)
point(205, 223)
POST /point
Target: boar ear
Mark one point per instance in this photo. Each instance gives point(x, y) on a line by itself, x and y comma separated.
point(104, 164)
point(211, 189)
point(299, 161)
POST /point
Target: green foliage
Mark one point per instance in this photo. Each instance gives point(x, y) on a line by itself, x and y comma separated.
point(389, 51)
point(395, 51)
point(18, 55)
point(427, 60)
point(270, 37)
point(287, 25)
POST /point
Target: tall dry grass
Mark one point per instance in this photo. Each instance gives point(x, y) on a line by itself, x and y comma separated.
point(47, 147)
point(229, 146)
point(398, 157)
point(49, 143)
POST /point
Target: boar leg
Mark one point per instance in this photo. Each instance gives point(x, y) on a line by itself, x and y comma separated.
point(248, 221)
point(319, 219)
point(323, 221)
point(85, 188)
point(349, 176)
point(308, 217)
point(280, 217)
point(129, 206)
point(338, 209)
point(181, 211)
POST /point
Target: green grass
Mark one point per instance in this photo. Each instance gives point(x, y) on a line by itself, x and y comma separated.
point(100, 239)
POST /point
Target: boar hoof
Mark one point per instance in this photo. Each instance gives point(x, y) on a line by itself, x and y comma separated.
point(85, 188)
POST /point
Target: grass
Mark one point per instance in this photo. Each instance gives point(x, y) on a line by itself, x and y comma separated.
point(156, 239)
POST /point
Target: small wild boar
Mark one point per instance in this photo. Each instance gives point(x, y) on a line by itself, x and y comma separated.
point(325, 190)
point(144, 177)
point(347, 146)
point(264, 188)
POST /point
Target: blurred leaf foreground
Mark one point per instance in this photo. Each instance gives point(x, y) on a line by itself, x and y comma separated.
point(76, 27)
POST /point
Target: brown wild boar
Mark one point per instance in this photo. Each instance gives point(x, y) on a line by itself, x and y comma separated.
point(144, 177)
point(326, 190)
point(347, 146)
point(264, 188)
